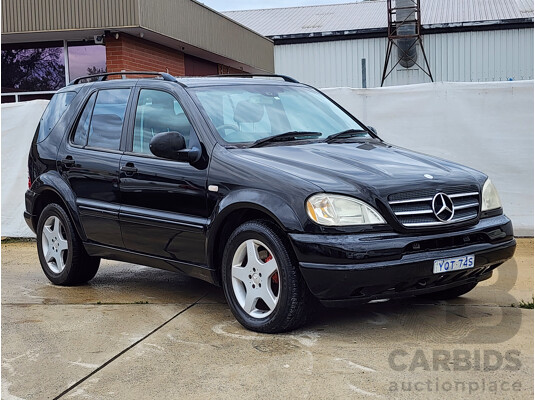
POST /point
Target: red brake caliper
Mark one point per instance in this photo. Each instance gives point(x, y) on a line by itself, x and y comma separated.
point(275, 277)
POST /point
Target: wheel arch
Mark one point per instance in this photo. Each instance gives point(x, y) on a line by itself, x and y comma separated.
point(51, 188)
point(238, 208)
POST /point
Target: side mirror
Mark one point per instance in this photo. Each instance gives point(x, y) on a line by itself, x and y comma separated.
point(371, 128)
point(172, 145)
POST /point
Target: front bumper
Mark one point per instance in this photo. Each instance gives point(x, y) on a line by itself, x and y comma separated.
point(358, 268)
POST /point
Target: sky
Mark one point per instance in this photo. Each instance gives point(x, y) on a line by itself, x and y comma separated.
point(230, 5)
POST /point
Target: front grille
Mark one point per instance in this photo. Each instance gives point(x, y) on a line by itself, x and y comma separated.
point(414, 209)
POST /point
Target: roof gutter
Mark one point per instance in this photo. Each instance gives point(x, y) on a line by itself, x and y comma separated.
point(521, 23)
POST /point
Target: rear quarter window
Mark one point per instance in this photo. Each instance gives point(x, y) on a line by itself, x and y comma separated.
point(53, 112)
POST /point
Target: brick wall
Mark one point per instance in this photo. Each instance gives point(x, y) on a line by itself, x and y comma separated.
point(130, 53)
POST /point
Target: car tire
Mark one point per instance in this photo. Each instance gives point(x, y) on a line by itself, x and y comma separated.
point(257, 254)
point(450, 293)
point(61, 252)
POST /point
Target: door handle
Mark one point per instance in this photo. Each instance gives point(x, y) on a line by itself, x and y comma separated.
point(68, 162)
point(129, 168)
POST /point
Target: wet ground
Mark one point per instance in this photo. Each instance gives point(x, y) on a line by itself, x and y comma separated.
point(141, 333)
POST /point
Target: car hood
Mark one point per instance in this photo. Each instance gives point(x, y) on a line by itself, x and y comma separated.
point(370, 167)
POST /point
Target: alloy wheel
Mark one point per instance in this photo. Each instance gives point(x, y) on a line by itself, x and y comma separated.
point(55, 245)
point(255, 278)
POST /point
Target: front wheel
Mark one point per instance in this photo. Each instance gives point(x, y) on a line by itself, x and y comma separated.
point(262, 284)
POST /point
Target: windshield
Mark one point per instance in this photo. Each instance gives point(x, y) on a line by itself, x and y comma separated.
point(248, 113)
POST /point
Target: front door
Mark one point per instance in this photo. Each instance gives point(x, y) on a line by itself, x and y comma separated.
point(163, 209)
point(89, 160)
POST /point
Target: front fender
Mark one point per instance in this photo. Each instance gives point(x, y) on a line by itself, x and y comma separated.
point(275, 206)
point(250, 199)
point(52, 181)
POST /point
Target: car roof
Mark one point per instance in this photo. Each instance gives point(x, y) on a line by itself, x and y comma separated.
point(216, 80)
point(229, 81)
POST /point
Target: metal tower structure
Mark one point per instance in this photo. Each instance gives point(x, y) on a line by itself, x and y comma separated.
point(405, 33)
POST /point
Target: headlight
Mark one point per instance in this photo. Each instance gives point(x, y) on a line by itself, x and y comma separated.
point(490, 197)
point(336, 210)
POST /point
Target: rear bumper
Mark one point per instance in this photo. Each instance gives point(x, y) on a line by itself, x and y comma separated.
point(29, 218)
point(358, 268)
point(29, 199)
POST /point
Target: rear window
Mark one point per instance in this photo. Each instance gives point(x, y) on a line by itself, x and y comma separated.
point(53, 112)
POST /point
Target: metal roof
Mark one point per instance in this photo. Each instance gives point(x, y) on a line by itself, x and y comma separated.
point(370, 14)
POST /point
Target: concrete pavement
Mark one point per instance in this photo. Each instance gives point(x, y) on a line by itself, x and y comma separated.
point(141, 333)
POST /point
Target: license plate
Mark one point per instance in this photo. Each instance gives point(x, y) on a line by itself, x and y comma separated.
point(453, 264)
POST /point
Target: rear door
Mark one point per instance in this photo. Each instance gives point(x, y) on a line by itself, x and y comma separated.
point(163, 209)
point(89, 160)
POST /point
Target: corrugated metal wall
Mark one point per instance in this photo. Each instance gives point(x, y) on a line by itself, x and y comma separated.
point(454, 57)
point(31, 15)
point(199, 26)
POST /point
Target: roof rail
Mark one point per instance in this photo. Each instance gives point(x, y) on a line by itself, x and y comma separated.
point(286, 78)
point(103, 76)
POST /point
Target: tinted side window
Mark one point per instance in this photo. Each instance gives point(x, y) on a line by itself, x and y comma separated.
point(107, 120)
point(157, 112)
point(55, 109)
point(82, 129)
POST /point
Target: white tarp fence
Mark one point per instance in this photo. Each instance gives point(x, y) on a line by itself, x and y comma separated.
point(19, 121)
point(487, 126)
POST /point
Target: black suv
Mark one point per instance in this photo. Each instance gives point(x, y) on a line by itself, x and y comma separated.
point(259, 184)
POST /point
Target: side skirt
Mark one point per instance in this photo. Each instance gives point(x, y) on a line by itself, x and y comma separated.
point(112, 253)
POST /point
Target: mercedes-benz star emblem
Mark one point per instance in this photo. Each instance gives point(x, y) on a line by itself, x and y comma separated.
point(443, 207)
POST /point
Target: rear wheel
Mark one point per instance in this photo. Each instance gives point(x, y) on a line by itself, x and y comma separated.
point(262, 284)
point(61, 252)
point(450, 293)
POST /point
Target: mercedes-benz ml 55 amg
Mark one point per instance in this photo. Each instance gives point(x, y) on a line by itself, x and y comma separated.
point(262, 185)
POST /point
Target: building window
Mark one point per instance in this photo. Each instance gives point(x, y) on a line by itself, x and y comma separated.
point(86, 60)
point(32, 67)
point(36, 70)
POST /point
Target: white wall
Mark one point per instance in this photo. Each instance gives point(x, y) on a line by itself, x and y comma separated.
point(487, 126)
point(19, 121)
point(453, 57)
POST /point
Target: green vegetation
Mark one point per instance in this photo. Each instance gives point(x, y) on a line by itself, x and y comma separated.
point(524, 304)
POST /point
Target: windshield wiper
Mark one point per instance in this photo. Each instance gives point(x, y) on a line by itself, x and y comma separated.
point(286, 136)
point(345, 134)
